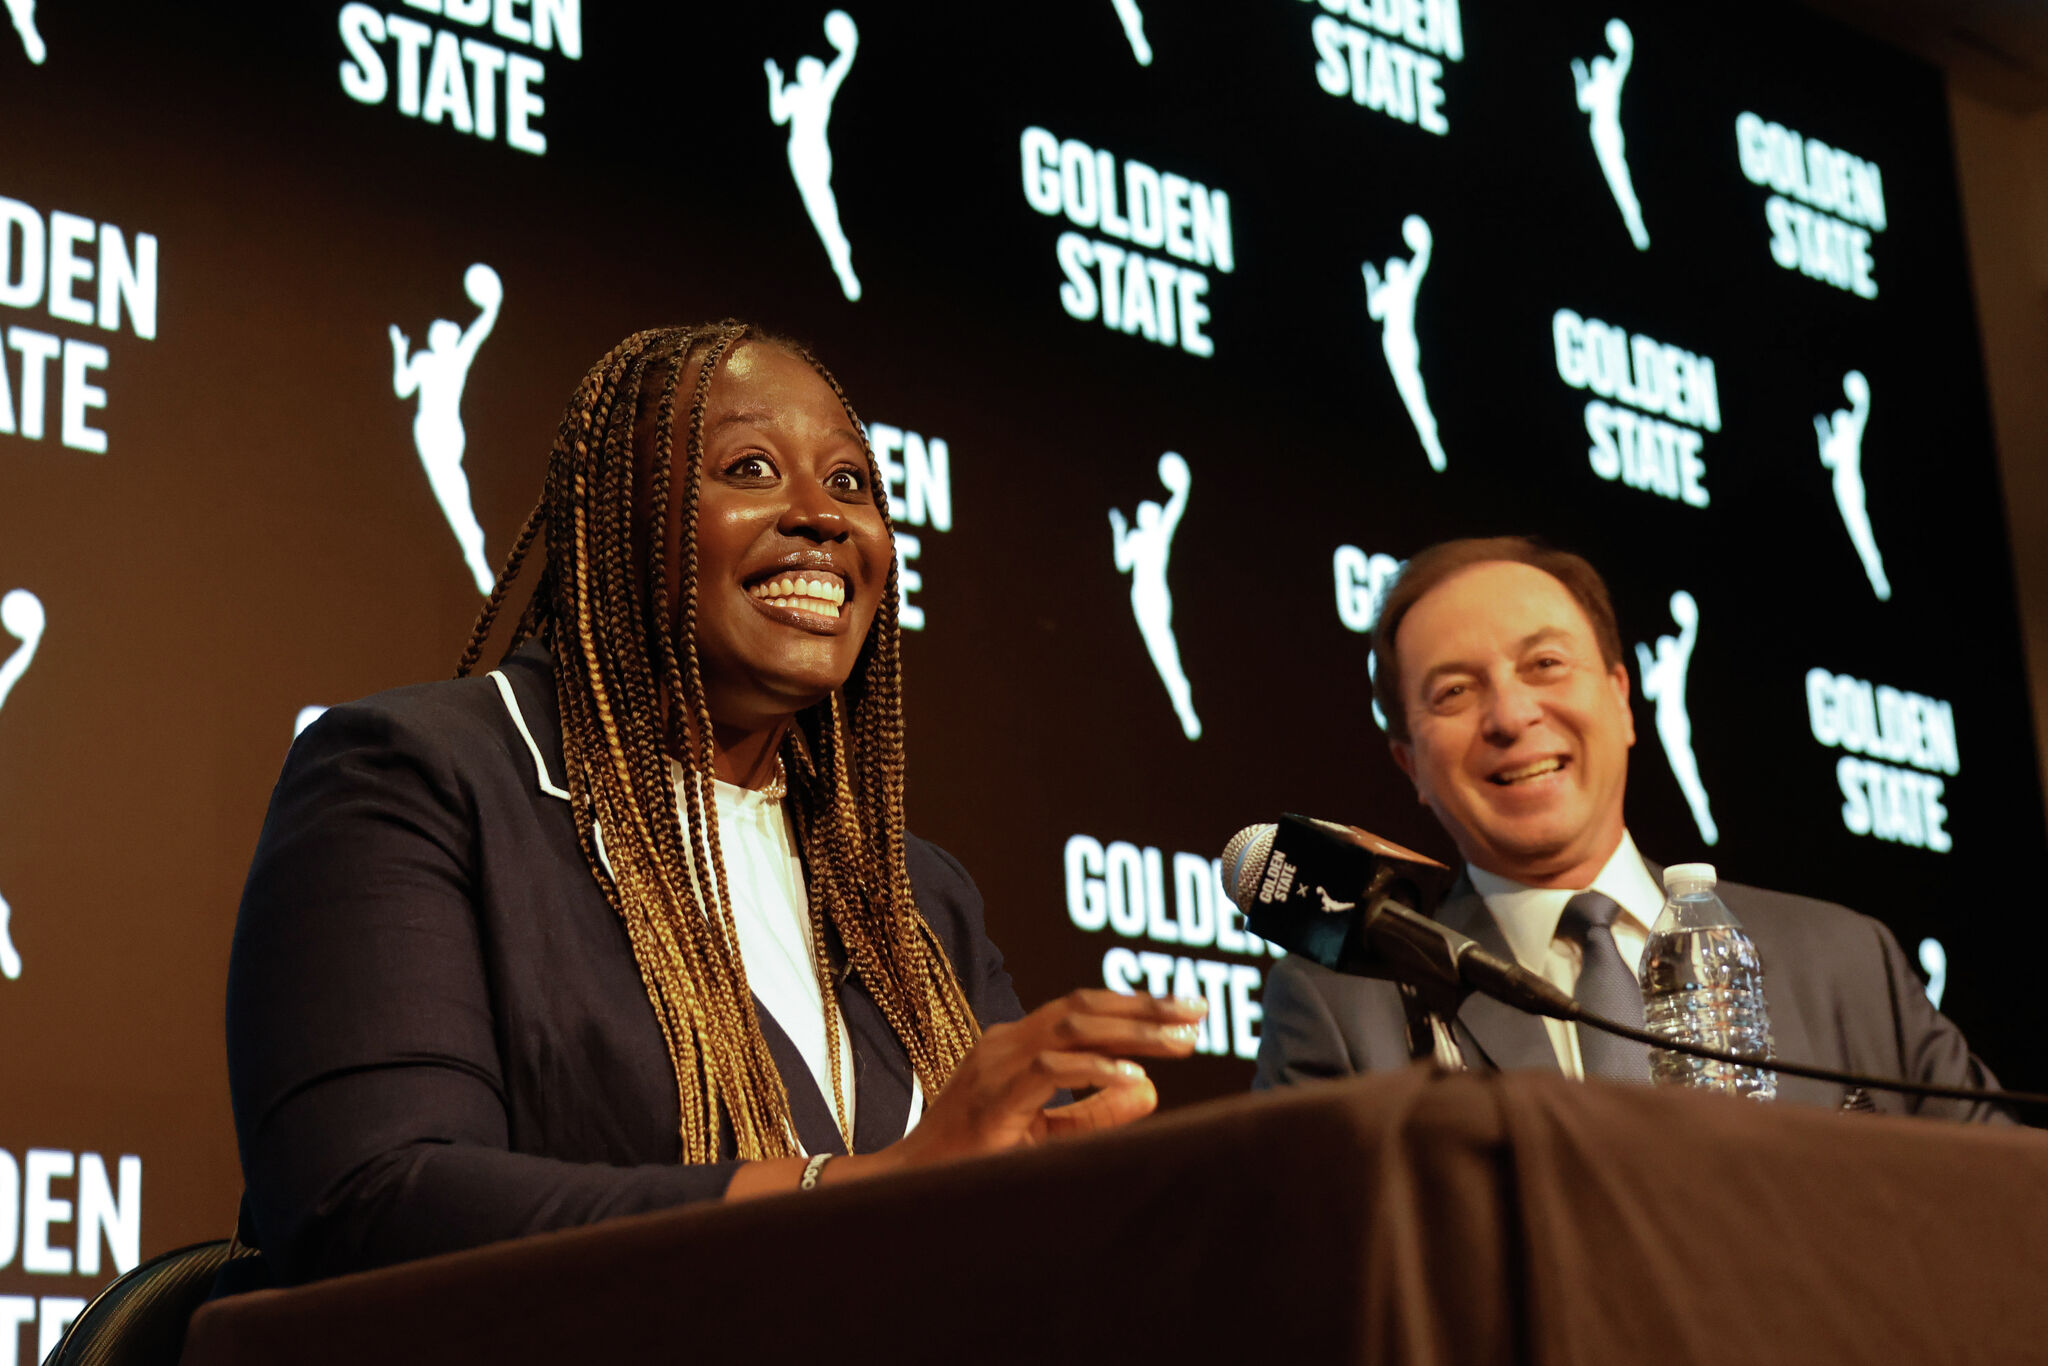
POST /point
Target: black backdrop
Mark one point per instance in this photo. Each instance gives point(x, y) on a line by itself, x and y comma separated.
point(259, 535)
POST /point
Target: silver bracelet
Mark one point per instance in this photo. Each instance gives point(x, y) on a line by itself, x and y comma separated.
point(811, 1170)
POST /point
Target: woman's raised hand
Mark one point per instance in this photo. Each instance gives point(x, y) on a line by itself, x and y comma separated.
point(997, 1097)
point(1087, 1038)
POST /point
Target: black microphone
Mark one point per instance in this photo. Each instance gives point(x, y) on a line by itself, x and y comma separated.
point(1357, 904)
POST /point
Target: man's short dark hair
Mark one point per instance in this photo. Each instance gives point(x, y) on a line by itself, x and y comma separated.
point(1449, 558)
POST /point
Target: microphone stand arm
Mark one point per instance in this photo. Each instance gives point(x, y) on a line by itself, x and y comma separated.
point(1442, 967)
point(1408, 948)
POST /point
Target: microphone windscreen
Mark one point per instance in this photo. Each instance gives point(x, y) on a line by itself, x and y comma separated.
point(1244, 858)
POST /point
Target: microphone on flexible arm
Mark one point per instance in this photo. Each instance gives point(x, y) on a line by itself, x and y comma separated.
point(1358, 904)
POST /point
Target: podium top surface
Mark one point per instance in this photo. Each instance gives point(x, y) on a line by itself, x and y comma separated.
point(1403, 1218)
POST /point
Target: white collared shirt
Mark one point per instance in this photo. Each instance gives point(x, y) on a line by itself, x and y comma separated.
point(770, 911)
point(771, 915)
point(1528, 918)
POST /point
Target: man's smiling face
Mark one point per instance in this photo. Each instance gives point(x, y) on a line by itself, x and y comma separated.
point(1519, 731)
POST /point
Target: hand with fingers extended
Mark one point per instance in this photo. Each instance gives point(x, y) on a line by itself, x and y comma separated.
point(998, 1097)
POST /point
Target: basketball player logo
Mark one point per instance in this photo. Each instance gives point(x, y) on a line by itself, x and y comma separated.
point(805, 104)
point(23, 13)
point(438, 373)
point(1134, 29)
point(1142, 552)
point(1664, 684)
point(1600, 97)
point(1841, 450)
point(1390, 301)
point(1934, 962)
point(21, 613)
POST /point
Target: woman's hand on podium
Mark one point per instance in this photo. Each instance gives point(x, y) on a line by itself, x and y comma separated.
point(997, 1097)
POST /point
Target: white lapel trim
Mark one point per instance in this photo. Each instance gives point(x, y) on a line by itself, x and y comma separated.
point(540, 765)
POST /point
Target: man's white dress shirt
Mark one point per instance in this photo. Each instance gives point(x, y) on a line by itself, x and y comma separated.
point(1528, 918)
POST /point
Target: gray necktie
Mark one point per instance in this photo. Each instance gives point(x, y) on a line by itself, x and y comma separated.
point(1606, 987)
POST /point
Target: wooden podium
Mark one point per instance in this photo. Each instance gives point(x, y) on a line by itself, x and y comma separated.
point(1408, 1218)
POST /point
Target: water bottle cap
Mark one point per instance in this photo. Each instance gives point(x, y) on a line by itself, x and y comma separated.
point(1694, 873)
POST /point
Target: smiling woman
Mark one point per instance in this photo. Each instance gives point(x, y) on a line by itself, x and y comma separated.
point(635, 919)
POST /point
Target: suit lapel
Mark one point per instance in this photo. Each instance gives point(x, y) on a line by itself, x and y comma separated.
point(880, 1074)
point(881, 1070)
point(1509, 1039)
point(810, 1112)
point(539, 720)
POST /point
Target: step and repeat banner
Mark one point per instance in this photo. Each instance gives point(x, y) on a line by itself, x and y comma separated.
point(1177, 330)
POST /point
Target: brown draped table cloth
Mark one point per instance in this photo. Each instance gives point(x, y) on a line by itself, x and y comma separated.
point(1406, 1218)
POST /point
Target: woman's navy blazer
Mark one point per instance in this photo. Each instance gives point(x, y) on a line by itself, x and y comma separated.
point(437, 1033)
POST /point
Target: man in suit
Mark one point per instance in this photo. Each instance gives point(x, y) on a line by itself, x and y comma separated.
point(1507, 703)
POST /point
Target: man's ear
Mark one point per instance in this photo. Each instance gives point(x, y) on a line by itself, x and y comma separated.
point(1404, 759)
point(1618, 676)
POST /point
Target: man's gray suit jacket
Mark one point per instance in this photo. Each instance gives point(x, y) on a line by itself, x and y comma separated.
point(1838, 987)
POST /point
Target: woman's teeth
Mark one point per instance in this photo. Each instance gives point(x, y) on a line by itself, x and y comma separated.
point(802, 593)
point(1528, 771)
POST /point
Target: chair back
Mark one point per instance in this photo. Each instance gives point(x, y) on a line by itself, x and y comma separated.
point(140, 1319)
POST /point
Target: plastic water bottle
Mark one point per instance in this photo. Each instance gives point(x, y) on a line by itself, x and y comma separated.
point(1703, 984)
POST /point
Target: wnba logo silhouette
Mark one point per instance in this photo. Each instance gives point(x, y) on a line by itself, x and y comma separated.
point(23, 13)
point(437, 373)
point(1841, 450)
point(21, 613)
point(1934, 962)
point(1134, 29)
point(1390, 301)
point(1133, 19)
point(1600, 97)
point(805, 104)
point(1142, 552)
point(1664, 684)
